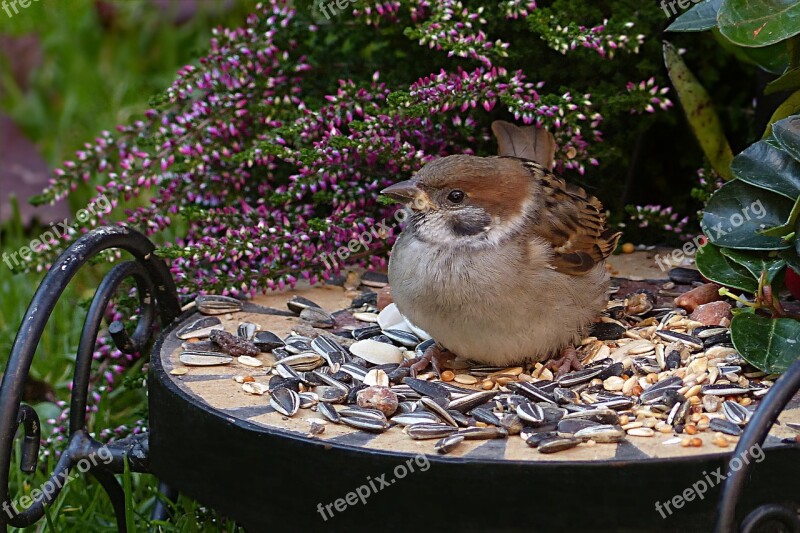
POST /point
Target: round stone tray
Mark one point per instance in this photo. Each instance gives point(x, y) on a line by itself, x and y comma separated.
point(231, 450)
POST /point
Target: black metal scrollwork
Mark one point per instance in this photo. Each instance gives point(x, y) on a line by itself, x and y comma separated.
point(755, 433)
point(155, 287)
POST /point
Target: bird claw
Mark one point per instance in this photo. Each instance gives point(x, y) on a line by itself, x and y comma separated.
point(435, 356)
point(565, 362)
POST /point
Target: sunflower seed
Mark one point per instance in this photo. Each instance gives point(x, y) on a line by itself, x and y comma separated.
point(285, 401)
point(355, 370)
point(218, 305)
point(537, 438)
point(601, 416)
point(366, 317)
point(308, 400)
point(601, 433)
point(330, 380)
point(483, 433)
point(468, 402)
point(429, 431)
point(362, 412)
point(485, 415)
point(581, 376)
point(687, 340)
point(723, 390)
point(725, 426)
point(267, 341)
point(557, 444)
point(317, 318)
point(409, 340)
point(365, 423)
point(328, 411)
point(738, 414)
point(247, 330)
point(438, 410)
point(200, 329)
point(531, 391)
point(330, 394)
point(572, 426)
point(417, 417)
point(448, 444)
point(427, 388)
point(531, 412)
point(563, 395)
point(296, 304)
point(307, 359)
point(204, 359)
point(296, 344)
point(366, 332)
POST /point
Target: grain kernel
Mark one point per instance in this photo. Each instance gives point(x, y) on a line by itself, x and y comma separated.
point(448, 375)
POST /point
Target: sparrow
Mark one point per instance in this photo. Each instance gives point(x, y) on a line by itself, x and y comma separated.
point(500, 261)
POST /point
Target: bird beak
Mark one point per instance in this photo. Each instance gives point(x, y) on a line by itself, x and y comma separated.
point(405, 192)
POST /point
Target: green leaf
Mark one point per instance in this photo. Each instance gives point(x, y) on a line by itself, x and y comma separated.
point(767, 167)
point(773, 58)
point(791, 258)
point(716, 267)
point(787, 133)
point(769, 344)
point(759, 22)
point(756, 262)
point(790, 106)
point(701, 17)
point(789, 81)
point(699, 112)
point(737, 212)
point(787, 228)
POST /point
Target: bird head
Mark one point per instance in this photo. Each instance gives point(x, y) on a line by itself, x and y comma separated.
point(466, 199)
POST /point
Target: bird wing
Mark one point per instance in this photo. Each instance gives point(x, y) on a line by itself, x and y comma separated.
point(573, 222)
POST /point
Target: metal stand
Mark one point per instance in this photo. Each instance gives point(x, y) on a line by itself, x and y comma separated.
point(155, 287)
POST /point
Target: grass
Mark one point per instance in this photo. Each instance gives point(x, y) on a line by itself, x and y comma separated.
point(92, 77)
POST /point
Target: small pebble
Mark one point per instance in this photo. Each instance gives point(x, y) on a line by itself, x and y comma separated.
point(628, 248)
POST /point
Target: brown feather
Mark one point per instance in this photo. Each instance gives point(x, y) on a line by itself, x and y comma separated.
point(528, 142)
point(574, 222)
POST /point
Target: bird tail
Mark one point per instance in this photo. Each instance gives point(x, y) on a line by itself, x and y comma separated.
point(529, 142)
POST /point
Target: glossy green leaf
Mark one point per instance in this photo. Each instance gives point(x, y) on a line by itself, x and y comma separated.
point(787, 133)
point(787, 228)
point(699, 112)
point(769, 344)
point(789, 81)
point(756, 262)
point(790, 106)
point(767, 167)
point(791, 257)
point(758, 22)
point(718, 268)
point(700, 17)
point(737, 212)
point(773, 58)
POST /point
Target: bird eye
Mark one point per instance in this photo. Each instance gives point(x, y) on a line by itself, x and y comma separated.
point(456, 196)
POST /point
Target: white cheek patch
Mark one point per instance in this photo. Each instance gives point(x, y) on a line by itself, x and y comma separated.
point(501, 230)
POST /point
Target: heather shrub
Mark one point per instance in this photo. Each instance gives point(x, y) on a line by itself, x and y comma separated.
point(271, 149)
